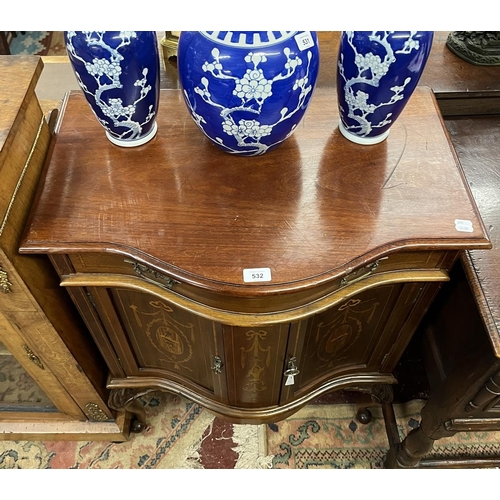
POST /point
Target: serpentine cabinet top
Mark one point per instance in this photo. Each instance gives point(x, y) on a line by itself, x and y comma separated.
point(310, 211)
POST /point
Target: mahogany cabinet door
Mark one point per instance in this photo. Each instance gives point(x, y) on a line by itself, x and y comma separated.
point(353, 337)
point(254, 364)
point(153, 338)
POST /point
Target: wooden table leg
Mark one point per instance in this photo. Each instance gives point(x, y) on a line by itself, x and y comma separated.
point(4, 44)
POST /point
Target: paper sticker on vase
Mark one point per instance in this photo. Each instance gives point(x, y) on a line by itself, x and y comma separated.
point(246, 90)
point(118, 72)
point(377, 72)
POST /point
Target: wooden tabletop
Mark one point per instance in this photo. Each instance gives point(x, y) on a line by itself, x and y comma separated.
point(18, 78)
point(447, 74)
point(476, 140)
point(310, 210)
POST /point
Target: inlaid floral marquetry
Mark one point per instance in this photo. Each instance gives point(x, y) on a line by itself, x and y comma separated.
point(333, 339)
point(255, 359)
point(172, 339)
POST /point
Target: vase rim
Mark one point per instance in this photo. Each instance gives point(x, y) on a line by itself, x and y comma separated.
point(248, 39)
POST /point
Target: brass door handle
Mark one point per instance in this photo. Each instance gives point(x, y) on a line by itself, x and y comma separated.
point(354, 277)
point(142, 271)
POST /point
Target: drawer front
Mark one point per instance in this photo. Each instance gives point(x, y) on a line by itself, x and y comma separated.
point(112, 263)
point(244, 298)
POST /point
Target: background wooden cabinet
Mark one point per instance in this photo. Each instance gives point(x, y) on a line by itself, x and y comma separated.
point(52, 378)
point(459, 339)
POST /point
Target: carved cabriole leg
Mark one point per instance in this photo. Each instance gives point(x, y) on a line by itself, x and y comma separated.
point(126, 400)
point(381, 394)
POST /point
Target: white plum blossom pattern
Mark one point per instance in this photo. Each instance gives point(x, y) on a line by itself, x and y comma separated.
point(106, 73)
point(253, 86)
point(101, 67)
point(249, 128)
point(371, 68)
point(252, 89)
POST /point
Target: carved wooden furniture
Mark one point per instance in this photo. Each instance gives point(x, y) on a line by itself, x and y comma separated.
point(52, 377)
point(476, 47)
point(460, 338)
point(252, 285)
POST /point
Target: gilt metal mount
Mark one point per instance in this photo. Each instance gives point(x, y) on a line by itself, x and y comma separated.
point(33, 357)
point(96, 413)
point(5, 284)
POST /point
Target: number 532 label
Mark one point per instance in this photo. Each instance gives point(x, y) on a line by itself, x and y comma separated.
point(257, 274)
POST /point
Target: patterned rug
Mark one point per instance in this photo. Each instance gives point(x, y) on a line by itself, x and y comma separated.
point(182, 435)
point(39, 43)
point(328, 437)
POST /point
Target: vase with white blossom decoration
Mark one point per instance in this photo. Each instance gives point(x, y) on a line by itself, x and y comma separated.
point(247, 90)
point(377, 72)
point(119, 74)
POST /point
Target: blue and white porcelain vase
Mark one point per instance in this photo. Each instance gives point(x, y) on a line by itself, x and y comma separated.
point(377, 72)
point(119, 73)
point(247, 90)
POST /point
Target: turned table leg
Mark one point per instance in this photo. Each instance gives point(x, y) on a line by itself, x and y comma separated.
point(408, 454)
point(437, 421)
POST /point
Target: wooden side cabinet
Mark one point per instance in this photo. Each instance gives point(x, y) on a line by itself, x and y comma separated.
point(52, 376)
point(460, 336)
point(252, 285)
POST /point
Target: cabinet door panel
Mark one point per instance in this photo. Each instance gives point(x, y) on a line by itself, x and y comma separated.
point(255, 359)
point(166, 339)
point(343, 339)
